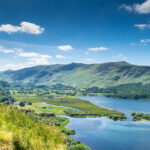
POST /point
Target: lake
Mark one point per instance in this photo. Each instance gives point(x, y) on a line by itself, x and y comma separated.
point(106, 134)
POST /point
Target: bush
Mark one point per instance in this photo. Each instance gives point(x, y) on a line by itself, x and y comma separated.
point(29, 134)
point(30, 103)
point(133, 114)
point(79, 147)
point(22, 104)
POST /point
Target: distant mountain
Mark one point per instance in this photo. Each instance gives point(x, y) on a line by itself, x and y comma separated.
point(4, 84)
point(80, 75)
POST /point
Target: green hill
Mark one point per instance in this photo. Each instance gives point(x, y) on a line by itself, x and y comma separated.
point(80, 75)
point(4, 93)
point(19, 132)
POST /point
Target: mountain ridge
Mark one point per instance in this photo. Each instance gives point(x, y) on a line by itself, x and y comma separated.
point(80, 75)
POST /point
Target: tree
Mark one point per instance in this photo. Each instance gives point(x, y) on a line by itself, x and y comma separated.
point(22, 104)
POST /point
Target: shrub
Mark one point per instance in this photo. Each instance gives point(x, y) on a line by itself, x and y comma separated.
point(29, 134)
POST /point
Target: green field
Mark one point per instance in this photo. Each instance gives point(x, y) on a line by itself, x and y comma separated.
point(87, 109)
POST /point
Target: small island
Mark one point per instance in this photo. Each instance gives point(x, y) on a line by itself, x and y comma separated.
point(140, 116)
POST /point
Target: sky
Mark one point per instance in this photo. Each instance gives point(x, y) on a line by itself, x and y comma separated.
point(44, 32)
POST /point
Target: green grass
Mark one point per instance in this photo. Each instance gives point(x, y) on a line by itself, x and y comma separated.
point(83, 105)
point(6, 139)
point(45, 108)
point(30, 98)
point(87, 109)
point(69, 101)
point(27, 134)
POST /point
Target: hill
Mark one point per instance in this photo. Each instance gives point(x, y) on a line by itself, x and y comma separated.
point(4, 93)
point(80, 75)
point(19, 132)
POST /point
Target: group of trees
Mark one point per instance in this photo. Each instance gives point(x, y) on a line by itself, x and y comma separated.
point(57, 89)
point(140, 116)
point(5, 97)
point(23, 103)
point(80, 114)
point(131, 91)
point(48, 119)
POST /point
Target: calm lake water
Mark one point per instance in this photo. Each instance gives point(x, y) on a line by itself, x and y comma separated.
point(105, 134)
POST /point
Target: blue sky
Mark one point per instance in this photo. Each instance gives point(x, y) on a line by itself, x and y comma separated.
point(42, 32)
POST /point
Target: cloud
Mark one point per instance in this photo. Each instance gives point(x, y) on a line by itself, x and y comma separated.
point(98, 49)
point(87, 53)
point(6, 51)
point(14, 66)
point(126, 7)
point(32, 60)
point(65, 47)
point(145, 40)
point(132, 44)
point(60, 56)
point(42, 60)
point(142, 26)
point(25, 27)
point(9, 28)
point(35, 58)
point(31, 28)
point(32, 57)
point(120, 56)
point(89, 60)
point(143, 8)
point(30, 54)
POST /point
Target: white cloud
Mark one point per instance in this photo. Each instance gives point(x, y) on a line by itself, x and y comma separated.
point(65, 47)
point(6, 51)
point(31, 61)
point(87, 53)
point(89, 60)
point(126, 7)
point(31, 28)
point(143, 8)
point(9, 28)
point(120, 56)
point(39, 60)
point(30, 54)
point(98, 49)
point(132, 44)
point(144, 41)
point(35, 58)
point(25, 27)
point(142, 26)
point(14, 66)
point(60, 56)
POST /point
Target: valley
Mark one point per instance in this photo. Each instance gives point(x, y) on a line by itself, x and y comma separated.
point(60, 106)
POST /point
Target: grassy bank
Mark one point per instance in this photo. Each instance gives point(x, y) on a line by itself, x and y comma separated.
point(140, 116)
point(21, 129)
point(21, 132)
point(87, 109)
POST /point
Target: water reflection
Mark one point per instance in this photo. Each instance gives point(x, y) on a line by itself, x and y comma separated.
point(105, 134)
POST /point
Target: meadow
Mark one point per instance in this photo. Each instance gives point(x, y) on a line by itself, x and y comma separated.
point(87, 109)
point(24, 129)
point(18, 131)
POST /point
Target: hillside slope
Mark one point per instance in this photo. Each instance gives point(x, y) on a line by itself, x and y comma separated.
point(80, 75)
point(5, 96)
point(19, 132)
